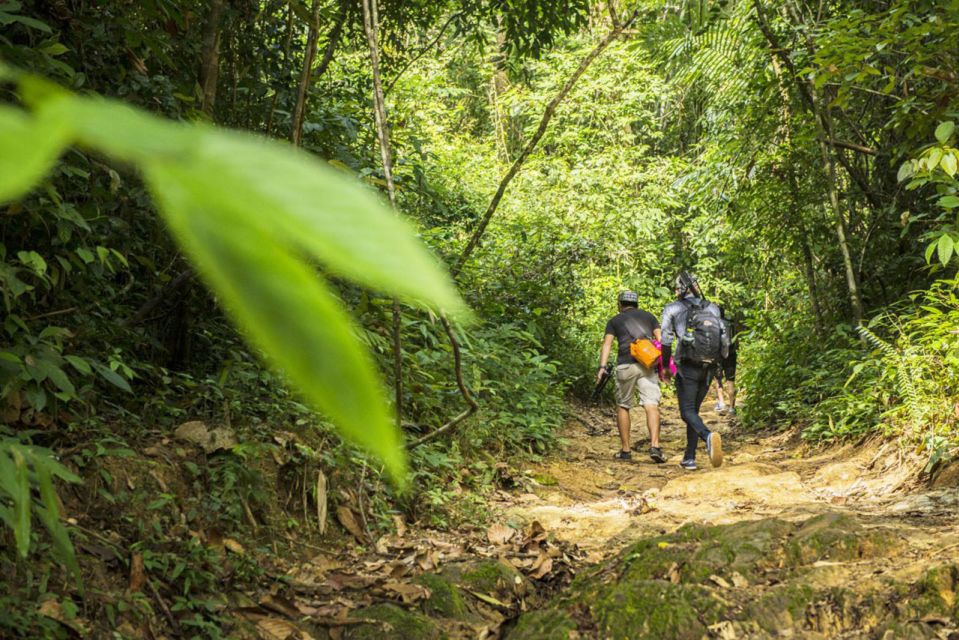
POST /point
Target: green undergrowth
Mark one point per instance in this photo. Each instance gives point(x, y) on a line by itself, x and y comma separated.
point(898, 376)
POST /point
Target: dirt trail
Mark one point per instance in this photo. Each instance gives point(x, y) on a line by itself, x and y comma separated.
point(782, 541)
point(582, 495)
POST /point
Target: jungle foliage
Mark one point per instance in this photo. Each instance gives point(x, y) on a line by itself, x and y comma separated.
point(800, 157)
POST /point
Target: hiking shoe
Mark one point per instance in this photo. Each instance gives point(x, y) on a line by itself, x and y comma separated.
point(732, 412)
point(623, 455)
point(720, 407)
point(688, 465)
point(714, 447)
point(657, 454)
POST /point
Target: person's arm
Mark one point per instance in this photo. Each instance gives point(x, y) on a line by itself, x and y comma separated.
point(658, 334)
point(604, 356)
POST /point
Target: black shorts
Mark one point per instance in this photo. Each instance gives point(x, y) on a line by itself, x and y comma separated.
point(728, 367)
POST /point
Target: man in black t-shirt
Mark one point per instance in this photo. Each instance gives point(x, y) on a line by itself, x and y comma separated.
point(630, 324)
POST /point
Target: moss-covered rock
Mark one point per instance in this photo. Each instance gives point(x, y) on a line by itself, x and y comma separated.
point(489, 577)
point(548, 624)
point(654, 609)
point(393, 622)
point(836, 537)
point(934, 595)
point(445, 599)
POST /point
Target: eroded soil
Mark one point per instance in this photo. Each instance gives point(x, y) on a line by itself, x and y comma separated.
point(781, 541)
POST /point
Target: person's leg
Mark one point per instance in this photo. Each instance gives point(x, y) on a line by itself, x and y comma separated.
point(622, 423)
point(652, 422)
point(695, 384)
point(625, 388)
point(650, 395)
point(688, 395)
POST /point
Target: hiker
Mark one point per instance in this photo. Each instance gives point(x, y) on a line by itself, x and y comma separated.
point(726, 372)
point(693, 323)
point(633, 325)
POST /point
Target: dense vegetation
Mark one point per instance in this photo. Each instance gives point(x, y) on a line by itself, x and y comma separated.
point(799, 157)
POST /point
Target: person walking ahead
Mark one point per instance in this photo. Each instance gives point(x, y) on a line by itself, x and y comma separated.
point(629, 325)
point(692, 323)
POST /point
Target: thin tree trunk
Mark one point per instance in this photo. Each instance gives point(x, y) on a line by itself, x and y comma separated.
point(308, 76)
point(210, 57)
point(383, 134)
point(808, 264)
point(544, 122)
point(300, 108)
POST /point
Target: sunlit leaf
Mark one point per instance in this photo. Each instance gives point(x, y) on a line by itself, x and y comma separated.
point(21, 503)
point(944, 131)
point(945, 248)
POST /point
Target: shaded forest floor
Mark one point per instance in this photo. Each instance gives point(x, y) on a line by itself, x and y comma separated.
point(781, 541)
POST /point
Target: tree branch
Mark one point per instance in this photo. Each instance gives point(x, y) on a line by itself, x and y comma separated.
point(422, 52)
point(471, 408)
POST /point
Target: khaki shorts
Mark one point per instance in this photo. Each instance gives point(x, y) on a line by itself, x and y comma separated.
point(636, 377)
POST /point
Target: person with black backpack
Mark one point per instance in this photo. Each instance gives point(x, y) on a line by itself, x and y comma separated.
point(693, 324)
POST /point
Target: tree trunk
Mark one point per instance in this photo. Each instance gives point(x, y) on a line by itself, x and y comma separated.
point(300, 108)
point(210, 57)
point(308, 76)
point(383, 135)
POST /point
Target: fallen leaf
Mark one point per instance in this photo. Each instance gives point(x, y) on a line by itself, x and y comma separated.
point(408, 592)
point(719, 581)
point(138, 576)
point(673, 573)
point(321, 502)
point(234, 546)
point(499, 534)
point(279, 604)
point(348, 520)
point(542, 567)
point(488, 599)
point(400, 525)
point(738, 580)
point(275, 629)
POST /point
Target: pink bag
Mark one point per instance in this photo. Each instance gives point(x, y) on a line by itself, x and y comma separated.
point(659, 363)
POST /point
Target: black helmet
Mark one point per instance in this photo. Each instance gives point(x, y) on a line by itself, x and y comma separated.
point(686, 282)
point(628, 297)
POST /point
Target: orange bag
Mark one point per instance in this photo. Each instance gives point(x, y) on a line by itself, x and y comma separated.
point(644, 352)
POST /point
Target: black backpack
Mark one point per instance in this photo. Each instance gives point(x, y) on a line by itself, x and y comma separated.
point(703, 341)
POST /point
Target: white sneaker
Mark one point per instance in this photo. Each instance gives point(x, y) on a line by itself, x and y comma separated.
point(720, 407)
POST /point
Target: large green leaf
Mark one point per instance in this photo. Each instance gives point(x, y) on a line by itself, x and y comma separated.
point(337, 220)
point(284, 308)
point(50, 513)
point(21, 502)
point(28, 148)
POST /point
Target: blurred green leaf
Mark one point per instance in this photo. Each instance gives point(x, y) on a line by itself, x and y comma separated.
point(284, 308)
point(28, 148)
